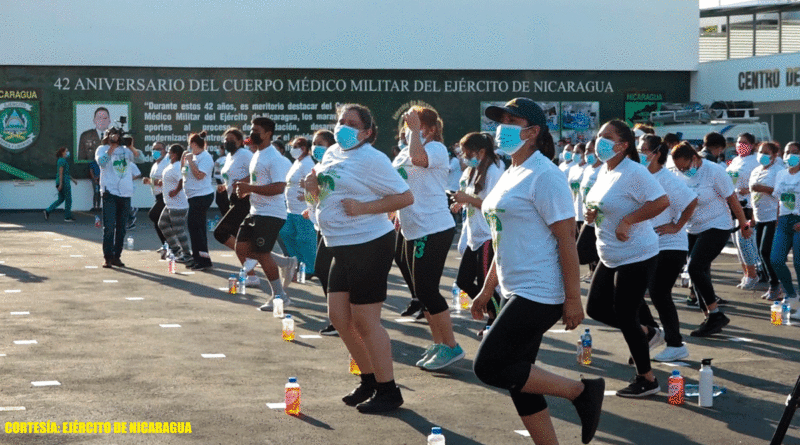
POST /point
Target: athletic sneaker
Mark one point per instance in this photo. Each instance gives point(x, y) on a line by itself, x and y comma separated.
point(413, 307)
point(589, 405)
point(720, 301)
point(382, 402)
point(444, 357)
point(657, 339)
point(741, 283)
point(267, 307)
point(429, 353)
point(329, 331)
point(749, 283)
point(252, 280)
point(287, 273)
point(773, 295)
point(69, 219)
point(672, 353)
point(639, 387)
point(362, 393)
point(249, 264)
point(711, 325)
point(184, 259)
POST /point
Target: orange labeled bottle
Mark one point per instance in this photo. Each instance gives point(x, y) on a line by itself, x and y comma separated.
point(292, 397)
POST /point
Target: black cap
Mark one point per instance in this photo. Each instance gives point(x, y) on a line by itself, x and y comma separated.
point(520, 107)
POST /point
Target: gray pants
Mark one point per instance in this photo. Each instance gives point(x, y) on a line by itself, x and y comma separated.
point(173, 225)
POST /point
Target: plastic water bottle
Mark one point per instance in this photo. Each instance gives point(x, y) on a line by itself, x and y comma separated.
point(165, 246)
point(685, 280)
point(97, 222)
point(171, 262)
point(676, 388)
point(456, 302)
point(354, 369)
point(292, 397)
point(130, 243)
point(776, 314)
point(232, 282)
point(288, 328)
point(436, 437)
point(706, 385)
point(241, 288)
point(587, 348)
point(277, 307)
point(301, 273)
point(786, 313)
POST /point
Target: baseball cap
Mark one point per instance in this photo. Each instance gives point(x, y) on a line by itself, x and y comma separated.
point(520, 107)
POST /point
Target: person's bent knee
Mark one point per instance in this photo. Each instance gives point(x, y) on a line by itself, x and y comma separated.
point(221, 235)
point(528, 404)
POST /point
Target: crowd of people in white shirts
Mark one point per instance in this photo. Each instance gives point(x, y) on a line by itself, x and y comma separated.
point(633, 207)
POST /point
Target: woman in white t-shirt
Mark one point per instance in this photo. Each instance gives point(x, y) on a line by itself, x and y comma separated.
point(673, 247)
point(356, 186)
point(197, 168)
point(587, 239)
point(532, 221)
point(172, 221)
point(160, 162)
point(709, 227)
point(427, 229)
point(478, 180)
point(622, 201)
point(765, 209)
point(220, 195)
point(574, 177)
point(787, 232)
point(298, 234)
point(739, 171)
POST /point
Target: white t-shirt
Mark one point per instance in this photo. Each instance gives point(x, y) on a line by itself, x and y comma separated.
point(680, 196)
point(765, 205)
point(565, 166)
point(574, 177)
point(713, 187)
point(236, 168)
point(429, 213)
point(199, 187)
point(218, 164)
point(116, 176)
point(268, 167)
point(454, 175)
point(363, 174)
point(156, 172)
point(739, 171)
point(616, 194)
point(787, 190)
point(476, 229)
point(171, 176)
point(588, 179)
point(297, 172)
point(520, 208)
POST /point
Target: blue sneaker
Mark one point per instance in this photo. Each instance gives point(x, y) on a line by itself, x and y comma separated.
point(429, 353)
point(444, 357)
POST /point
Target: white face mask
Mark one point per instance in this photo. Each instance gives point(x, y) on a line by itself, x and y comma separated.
point(296, 152)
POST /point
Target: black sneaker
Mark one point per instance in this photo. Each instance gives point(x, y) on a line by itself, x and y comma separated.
point(362, 393)
point(382, 402)
point(202, 267)
point(721, 302)
point(639, 387)
point(692, 301)
point(69, 219)
point(589, 405)
point(421, 315)
point(329, 331)
point(711, 325)
point(413, 307)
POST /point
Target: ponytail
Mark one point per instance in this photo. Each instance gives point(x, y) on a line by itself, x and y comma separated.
point(545, 144)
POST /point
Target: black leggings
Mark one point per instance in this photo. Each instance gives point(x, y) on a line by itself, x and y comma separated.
point(509, 349)
point(615, 297)
point(198, 228)
point(425, 258)
point(322, 264)
point(402, 264)
point(228, 226)
point(155, 214)
point(670, 265)
point(704, 248)
point(475, 265)
point(765, 232)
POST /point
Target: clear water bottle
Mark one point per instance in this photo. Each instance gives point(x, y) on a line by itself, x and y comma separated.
point(456, 302)
point(292, 397)
point(165, 246)
point(706, 385)
point(436, 437)
point(776, 314)
point(171, 266)
point(786, 313)
point(241, 288)
point(301, 273)
point(586, 342)
point(676, 388)
point(277, 307)
point(130, 243)
point(288, 328)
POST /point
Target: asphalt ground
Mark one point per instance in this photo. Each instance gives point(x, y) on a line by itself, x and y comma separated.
point(99, 334)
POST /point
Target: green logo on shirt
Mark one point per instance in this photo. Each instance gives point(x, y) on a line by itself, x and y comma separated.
point(494, 223)
point(326, 183)
point(120, 166)
point(403, 173)
point(596, 206)
point(734, 176)
point(788, 200)
point(575, 187)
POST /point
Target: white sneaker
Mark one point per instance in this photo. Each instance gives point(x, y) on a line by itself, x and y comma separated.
point(741, 283)
point(249, 264)
point(266, 307)
point(252, 280)
point(749, 283)
point(672, 353)
point(657, 339)
point(286, 301)
point(288, 272)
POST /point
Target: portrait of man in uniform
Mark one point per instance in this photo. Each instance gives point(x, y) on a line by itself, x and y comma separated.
point(90, 139)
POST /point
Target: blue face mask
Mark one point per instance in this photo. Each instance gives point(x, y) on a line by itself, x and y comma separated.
point(643, 159)
point(402, 146)
point(604, 149)
point(317, 151)
point(591, 159)
point(156, 155)
point(792, 160)
point(568, 156)
point(472, 162)
point(507, 138)
point(763, 159)
point(346, 137)
point(691, 172)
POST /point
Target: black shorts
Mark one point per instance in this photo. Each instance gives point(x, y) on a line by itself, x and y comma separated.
point(229, 225)
point(362, 269)
point(260, 231)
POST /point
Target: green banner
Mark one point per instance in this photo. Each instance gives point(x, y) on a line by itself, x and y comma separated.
point(43, 108)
